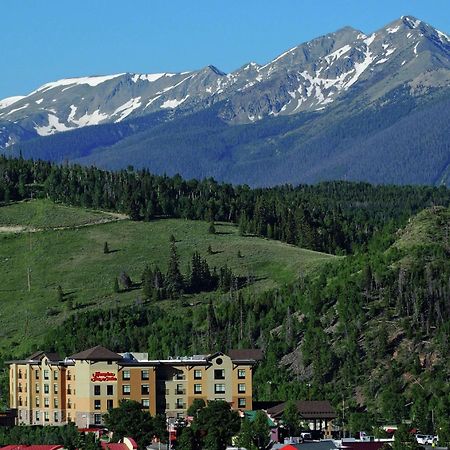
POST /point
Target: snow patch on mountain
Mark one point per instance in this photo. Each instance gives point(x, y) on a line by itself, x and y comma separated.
point(93, 118)
point(337, 54)
point(54, 126)
point(174, 103)
point(17, 109)
point(91, 81)
point(393, 30)
point(127, 108)
point(10, 101)
point(150, 77)
point(361, 67)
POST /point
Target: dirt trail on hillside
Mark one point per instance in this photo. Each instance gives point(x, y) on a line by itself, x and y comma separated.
point(115, 217)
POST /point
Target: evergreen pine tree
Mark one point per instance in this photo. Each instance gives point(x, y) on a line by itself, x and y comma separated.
point(60, 294)
point(116, 285)
point(174, 279)
point(106, 248)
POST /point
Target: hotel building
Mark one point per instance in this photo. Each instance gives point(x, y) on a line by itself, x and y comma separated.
point(47, 390)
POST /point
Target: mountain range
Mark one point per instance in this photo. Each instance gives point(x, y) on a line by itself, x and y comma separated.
point(343, 106)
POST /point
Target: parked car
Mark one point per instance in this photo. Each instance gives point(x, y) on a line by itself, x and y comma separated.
point(421, 438)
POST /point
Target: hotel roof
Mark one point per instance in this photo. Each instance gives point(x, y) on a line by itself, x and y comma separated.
point(97, 353)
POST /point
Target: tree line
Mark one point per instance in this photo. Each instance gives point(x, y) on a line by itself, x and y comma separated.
point(334, 217)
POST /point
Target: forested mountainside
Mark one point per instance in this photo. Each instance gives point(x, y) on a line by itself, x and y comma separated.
point(372, 327)
point(343, 106)
point(335, 217)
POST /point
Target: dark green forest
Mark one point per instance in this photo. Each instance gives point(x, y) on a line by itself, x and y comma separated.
point(372, 329)
point(333, 217)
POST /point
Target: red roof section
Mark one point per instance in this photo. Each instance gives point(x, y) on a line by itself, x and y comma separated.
point(114, 446)
point(132, 442)
point(289, 447)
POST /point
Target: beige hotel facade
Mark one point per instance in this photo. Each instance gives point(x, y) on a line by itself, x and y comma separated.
point(47, 390)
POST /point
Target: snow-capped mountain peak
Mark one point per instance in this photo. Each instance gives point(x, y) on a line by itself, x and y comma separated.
point(308, 77)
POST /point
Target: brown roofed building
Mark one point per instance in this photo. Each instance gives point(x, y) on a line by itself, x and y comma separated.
point(250, 354)
point(97, 353)
point(318, 413)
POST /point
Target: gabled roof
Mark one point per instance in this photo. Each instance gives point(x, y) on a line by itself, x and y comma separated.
point(246, 354)
point(97, 353)
point(37, 356)
point(308, 409)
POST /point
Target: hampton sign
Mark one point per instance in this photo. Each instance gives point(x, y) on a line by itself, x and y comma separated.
point(103, 376)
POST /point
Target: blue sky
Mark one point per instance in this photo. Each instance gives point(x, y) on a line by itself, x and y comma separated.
point(45, 40)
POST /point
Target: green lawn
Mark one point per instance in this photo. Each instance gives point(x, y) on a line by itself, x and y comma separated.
point(74, 259)
point(44, 214)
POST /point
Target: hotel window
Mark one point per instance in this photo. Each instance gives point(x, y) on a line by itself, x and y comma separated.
point(45, 374)
point(145, 389)
point(46, 416)
point(126, 375)
point(69, 389)
point(46, 389)
point(241, 388)
point(197, 374)
point(55, 417)
point(69, 404)
point(37, 388)
point(126, 389)
point(179, 404)
point(97, 404)
point(145, 402)
point(55, 388)
point(20, 401)
point(36, 374)
point(96, 389)
point(197, 388)
point(20, 373)
point(37, 402)
point(241, 374)
point(242, 403)
point(219, 374)
point(109, 404)
point(55, 403)
point(55, 375)
point(97, 419)
point(69, 375)
point(46, 402)
point(145, 374)
point(219, 389)
point(109, 389)
point(20, 387)
point(180, 390)
point(37, 416)
point(179, 376)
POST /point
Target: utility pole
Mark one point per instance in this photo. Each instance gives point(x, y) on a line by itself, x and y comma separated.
point(29, 279)
point(343, 417)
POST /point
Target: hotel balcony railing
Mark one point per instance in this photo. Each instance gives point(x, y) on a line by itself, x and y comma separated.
point(180, 391)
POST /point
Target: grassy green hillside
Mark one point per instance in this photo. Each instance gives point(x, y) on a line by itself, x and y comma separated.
point(74, 259)
point(44, 214)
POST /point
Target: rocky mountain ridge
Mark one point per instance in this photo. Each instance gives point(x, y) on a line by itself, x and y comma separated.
point(309, 77)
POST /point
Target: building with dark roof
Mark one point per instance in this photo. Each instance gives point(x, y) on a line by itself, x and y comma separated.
point(46, 389)
point(317, 413)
